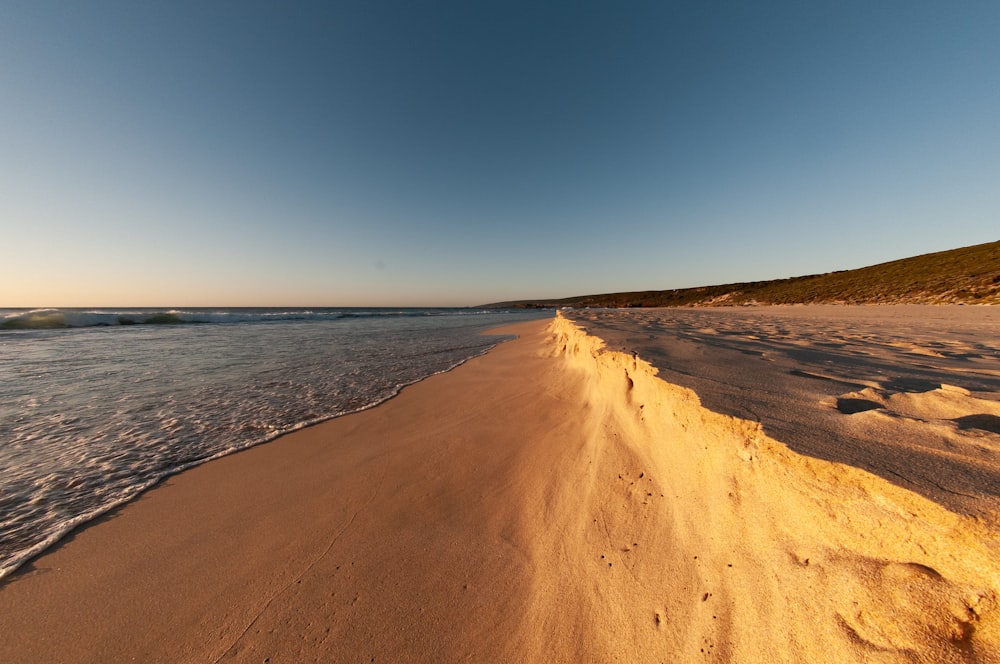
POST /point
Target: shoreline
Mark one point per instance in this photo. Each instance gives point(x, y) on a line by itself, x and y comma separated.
point(9, 566)
point(547, 500)
point(83, 618)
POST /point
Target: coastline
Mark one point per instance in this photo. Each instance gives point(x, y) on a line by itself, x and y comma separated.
point(548, 500)
point(183, 571)
point(79, 439)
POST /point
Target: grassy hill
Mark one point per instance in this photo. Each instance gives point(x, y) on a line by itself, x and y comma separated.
point(970, 275)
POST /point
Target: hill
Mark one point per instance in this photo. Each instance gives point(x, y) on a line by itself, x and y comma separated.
point(969, 275)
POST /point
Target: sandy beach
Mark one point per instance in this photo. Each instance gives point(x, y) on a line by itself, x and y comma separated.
point(551, 501)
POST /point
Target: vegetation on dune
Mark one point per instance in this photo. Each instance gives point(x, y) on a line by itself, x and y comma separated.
point(970, 275)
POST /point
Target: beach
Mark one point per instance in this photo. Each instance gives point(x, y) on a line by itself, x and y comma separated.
point(552, 500)
point(94, 410)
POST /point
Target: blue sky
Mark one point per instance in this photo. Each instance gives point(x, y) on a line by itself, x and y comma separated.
point(455, 153)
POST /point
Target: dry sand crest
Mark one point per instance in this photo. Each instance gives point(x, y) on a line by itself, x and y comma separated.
point(759, 554)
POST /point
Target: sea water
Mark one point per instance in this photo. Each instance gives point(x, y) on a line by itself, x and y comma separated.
point(98, 405)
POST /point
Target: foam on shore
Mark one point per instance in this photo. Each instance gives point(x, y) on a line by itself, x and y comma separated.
point(745, 550)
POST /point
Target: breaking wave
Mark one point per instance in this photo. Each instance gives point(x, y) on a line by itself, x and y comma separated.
point(43, 319)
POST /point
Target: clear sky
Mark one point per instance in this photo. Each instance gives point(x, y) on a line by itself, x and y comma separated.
point(449, 153)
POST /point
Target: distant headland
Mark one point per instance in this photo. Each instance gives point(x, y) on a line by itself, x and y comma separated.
point(969, 275)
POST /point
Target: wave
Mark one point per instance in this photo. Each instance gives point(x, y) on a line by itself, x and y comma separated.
point(42, 319)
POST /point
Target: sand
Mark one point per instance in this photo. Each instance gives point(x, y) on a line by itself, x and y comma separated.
point(550, 501)
point(858, 385)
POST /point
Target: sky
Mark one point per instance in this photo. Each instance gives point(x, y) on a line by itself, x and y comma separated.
point(376, 153)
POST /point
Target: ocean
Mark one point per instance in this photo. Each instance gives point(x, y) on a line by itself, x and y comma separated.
point(98, 405)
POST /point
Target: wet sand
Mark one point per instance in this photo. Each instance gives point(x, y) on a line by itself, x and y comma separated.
point(550, 501)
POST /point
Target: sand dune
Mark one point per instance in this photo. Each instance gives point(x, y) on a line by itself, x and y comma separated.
point(810, 375)
point(548, 502)
point(751, 552)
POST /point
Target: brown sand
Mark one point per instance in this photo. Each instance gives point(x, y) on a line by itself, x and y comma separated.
point(548, 502)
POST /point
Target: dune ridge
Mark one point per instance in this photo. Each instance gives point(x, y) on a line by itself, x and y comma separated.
point(738, 548)
point(800, 371)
